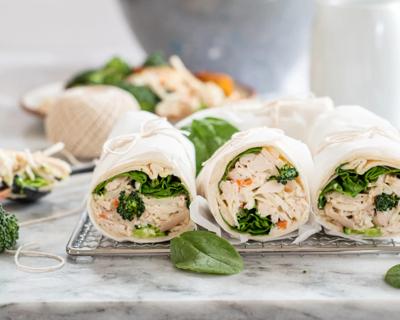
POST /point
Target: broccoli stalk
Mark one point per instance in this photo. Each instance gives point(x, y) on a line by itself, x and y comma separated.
point(130, 205)
point(9, 230)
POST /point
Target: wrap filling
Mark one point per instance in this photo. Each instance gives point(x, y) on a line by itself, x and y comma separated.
point(362, 198)
point(133, 204)
point(261, 193)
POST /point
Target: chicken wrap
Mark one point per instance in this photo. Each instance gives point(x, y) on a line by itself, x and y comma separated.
point(356, 180)
point(256, 185)
point(144, 182)
point(209, 129)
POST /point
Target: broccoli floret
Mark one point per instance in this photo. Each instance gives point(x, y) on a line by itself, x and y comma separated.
point(130, 205)
point(286, 173)
point(9, 230)
point(384, 201)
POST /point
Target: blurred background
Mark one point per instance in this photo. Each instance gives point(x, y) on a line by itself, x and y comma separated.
point(347, 49)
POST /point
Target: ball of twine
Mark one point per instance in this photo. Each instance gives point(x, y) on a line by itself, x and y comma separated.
point(83, 117)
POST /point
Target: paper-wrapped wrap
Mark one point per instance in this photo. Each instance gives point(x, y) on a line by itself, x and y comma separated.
point(356, 187)
point(144, 181)
point(256, 185)
point(292, 115)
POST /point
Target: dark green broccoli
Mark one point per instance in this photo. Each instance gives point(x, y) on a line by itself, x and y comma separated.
point(286, 173)
point(384, 201)
point(9, 230)
point(130, 205)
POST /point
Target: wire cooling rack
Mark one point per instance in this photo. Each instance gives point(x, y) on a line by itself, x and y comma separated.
point(87, 241)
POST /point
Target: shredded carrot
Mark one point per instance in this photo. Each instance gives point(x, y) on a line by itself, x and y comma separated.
point(282, 224)
point(222, 80)
point(244, 182)
point(115, 203)
point(103, 215)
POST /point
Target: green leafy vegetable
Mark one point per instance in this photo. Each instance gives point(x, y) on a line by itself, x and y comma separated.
point(148, 231)
point(385, 202)
point(350, 183)
point(286, 173)
point(130, 205)
point(113, 72)
point(26, 182)
point(203, 251)
point(160, 187)
point(9, 230)
point(251, 222)
point(232, 163)
point(146, 98)
point(207, 135)
point(371, 232)
point(392, 277)
point(155, 59)
point(138, 176)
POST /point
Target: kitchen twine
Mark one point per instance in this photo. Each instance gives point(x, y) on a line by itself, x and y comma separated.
point(147, 129)
point(350, 135)
point(35, 253)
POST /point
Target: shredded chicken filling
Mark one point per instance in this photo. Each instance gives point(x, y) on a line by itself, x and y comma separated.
point(160, 216)
point(253, 185)
point(361, 212)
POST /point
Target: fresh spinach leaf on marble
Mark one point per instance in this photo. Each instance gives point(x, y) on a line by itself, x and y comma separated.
point(208, 135)
point(392, 276)
point(205, 252)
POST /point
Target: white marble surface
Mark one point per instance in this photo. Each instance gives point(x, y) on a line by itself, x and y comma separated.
point(270, 287)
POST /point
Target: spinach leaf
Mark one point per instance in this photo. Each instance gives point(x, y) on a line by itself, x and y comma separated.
point(232, 163)
point(385, 202)
point(148, 231)
point(114, 71)
point(286, 173)
point(392, 277)
point(203, 251)
point(138, 176)
point(155, 59)
point(371, 232)
point(350, 183)
point(160, 187)
point(208, 135)
point(146, 98)
point(251, 222)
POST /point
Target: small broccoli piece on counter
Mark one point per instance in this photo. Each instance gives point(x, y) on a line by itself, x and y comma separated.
point(286, 173)
point(130, 205)
point(385, 202)
point(9, 230)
